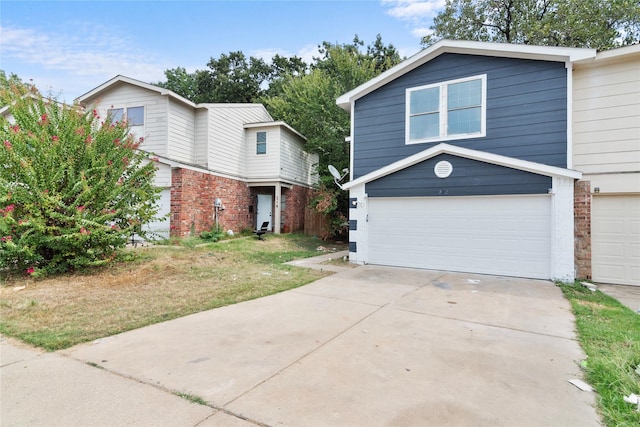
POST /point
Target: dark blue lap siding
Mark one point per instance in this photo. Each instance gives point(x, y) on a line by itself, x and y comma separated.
point(469, 178)
point(526, 111)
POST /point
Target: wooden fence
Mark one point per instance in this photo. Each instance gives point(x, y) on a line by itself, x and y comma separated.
point(314, 222)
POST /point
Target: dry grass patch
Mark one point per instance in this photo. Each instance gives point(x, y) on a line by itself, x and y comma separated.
point(162, 283)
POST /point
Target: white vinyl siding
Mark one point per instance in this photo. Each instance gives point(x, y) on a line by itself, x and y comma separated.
point(454, 109)
point(296, 164)
point(606, 117)
point(227, 135)
point(181, 132)
point(202, 137)
point(263, 166)
point(155, 113)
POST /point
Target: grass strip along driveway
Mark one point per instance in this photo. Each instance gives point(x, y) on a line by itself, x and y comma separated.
point(609, 334)
point(158, 284)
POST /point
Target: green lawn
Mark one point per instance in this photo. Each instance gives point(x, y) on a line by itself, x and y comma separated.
point(609, 333)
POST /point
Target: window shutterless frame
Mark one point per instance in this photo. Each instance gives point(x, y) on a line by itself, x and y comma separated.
point(449, 110)
point(261, 143)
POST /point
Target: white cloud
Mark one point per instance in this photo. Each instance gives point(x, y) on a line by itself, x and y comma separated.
point(413, 10)
point(70, 60)
point(421, 32)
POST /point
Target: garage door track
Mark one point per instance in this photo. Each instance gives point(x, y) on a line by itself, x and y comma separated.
point(367, 346)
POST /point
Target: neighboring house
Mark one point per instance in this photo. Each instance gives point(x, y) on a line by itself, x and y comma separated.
point(606, 149)
point(461, 160)
point(256, 167)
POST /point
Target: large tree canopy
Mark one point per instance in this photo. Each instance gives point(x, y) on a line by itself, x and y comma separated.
point(600, 24)
point(308, 103)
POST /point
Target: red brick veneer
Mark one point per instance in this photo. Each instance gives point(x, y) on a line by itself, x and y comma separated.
point(297, 199)
point(192, 197)
point(582, 228)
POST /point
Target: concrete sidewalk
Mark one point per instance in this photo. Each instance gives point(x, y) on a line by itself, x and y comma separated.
point(368, 346)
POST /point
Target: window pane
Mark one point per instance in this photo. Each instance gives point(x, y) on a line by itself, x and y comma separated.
point(261, 148)
point(135, 116)
point(115, 114)
point(465, 94)
point(424, 126)
point(425, 100)
point(464, 121)
point(261, 137)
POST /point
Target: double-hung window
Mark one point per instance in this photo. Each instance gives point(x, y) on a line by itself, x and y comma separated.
point(454, 109)
point(134, 116)
point(261, 143)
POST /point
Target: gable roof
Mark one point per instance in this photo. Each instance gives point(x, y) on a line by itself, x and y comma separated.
point(278, 123)
point(124, 79)
point(482, 156)
point(120, 79)
point(505, 50)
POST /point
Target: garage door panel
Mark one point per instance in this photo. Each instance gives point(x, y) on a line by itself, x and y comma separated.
point(492, 235)
point(615, 239)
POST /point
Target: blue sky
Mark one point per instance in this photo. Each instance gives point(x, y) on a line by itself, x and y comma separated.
point(68, 48)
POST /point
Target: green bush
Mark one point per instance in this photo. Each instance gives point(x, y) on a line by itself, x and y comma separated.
point(213, 235)
point(73, 189)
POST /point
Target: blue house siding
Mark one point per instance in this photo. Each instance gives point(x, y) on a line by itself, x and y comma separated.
point(526, 115)
point(469, 178)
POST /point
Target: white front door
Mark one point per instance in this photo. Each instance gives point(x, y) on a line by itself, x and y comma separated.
point(265, 208)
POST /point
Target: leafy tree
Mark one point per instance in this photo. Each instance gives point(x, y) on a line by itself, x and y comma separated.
point(308, 103)
point(72, 189)
point(600, 24)
point(281, 68)
point(232, 78)
point(181, 82)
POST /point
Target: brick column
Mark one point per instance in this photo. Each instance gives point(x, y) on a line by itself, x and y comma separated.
point(582, 228)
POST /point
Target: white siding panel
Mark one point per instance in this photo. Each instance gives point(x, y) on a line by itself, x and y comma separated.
point(297, 165)
point(227, 135)
point(606, 116)
point(155, 108)
point(181, 132)
point(202, 137)
point(263, 166)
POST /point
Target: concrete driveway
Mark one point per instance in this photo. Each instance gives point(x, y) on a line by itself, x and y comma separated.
point(368, 346)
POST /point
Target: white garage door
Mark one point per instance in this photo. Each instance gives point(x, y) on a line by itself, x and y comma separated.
point(615, 239)
point(507, 235)
point(160, 229)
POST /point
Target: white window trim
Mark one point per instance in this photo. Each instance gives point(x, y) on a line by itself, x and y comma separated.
point(443, 111)
point(266, 139)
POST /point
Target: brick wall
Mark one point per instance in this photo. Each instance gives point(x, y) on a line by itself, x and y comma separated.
point(192, 197)
point(297, 199)
point(582, 224)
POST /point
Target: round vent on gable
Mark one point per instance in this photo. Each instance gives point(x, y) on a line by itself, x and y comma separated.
point(443, 169)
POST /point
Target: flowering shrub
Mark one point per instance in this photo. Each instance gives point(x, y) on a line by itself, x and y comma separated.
point(72, 189)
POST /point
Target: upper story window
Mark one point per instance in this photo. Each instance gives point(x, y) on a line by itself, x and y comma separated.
point(261, 143)
point(134, 116)
point(455, 109)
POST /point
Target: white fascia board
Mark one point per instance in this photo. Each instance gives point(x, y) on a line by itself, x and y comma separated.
point(124, 79)
point(507, 50)
point(481, 156)
point(273, 124)
point(174, 164)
